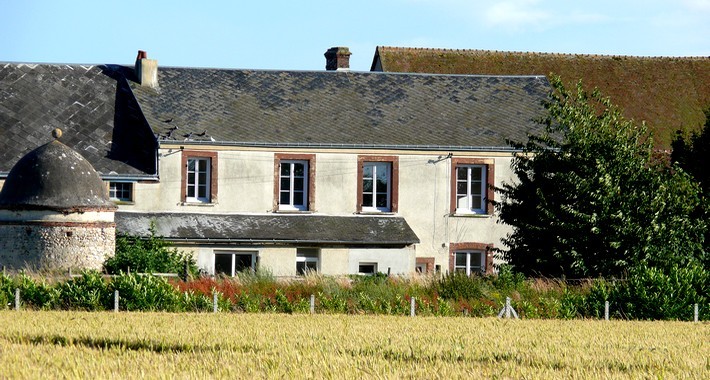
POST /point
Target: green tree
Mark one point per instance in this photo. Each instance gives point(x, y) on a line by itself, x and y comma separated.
point(148, 255)
point(589, 200)
point(692, 154)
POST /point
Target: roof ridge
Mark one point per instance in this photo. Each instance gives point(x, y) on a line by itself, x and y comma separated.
point(532, 53)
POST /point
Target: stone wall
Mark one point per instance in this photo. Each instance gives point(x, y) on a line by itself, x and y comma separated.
point(56, 245)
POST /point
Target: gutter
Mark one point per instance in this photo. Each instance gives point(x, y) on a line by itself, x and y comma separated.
point(197, 241)
point(343, 146)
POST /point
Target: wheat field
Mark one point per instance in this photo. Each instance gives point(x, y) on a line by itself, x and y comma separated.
point(61, 344)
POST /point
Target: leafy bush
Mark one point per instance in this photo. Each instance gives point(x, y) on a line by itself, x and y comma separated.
point(649, 293)
point(145, 292)
point(456, 285)
point(149, 255)
point(37, 294)
point(87, 292)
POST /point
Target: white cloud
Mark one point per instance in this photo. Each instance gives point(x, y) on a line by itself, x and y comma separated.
point(516, 14)
point(698, 5)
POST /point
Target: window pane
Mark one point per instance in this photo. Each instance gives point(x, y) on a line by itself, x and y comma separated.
point(476, 203)
point(298, 183)
point(202, 164)
point(462, 173)
point(286, 169)
point(202, 191)
point(461, 188)
point(297, 197)
point(476, 174)
point(300, 268)
point(367, 185)
point(367, 268)
point(191, 191)
point(202, 178)
point(191, 178)
point(223, 264)
point(191, 165)
point(367, 200)
point(461, 259)
point(285, 184)
point(382, 200)
point(367, 171)
point(242, 262)
point(285, 198)
point(476, 259)
point(298, 169)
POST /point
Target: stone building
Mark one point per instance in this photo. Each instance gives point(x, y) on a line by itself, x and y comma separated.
point(54, 212)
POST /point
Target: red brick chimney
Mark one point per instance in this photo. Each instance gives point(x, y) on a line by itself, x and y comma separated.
point(337, 58)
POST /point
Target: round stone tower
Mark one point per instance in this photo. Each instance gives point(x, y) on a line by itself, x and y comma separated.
point(55, 212)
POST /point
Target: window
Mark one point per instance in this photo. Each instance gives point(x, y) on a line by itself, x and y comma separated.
point(470, 258)
point(367, 268)
point(294, 185)
point(376, 186)
point(231, 263)
point(470, 262)
point(121, 191)
point(306, 260)
point(199, 177)
point(472, 186)
point(377, 183)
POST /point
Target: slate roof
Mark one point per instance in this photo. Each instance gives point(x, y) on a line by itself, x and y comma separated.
point(271, 228)
point(350, 109)
point(669, 93)
point(54, 177)
point(93, 106)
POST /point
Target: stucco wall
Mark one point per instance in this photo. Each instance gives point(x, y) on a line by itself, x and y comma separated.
point(246, 185)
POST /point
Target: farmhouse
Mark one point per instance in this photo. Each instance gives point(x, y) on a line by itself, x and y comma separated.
point(336, 171)
point(669, 93)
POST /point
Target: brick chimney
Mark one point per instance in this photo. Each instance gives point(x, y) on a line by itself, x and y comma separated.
point(146, 70)
point(337, 58)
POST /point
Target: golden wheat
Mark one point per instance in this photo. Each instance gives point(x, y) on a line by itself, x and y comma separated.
point(160, 345)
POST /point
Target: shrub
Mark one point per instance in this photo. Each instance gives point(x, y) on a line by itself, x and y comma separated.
point(456, 285)
point(649, 293)
point(87, 292)
point(149, 255)
point(145, 293)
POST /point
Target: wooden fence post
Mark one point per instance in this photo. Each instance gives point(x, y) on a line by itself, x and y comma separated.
point(606, 310)
point(115, 301)
point(313, 303)
point(17, 299)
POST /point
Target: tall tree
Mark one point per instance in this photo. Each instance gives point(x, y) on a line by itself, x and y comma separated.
point(589, 200)
point(692, 154)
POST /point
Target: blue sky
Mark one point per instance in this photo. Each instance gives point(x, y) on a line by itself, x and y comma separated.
point(295, 34)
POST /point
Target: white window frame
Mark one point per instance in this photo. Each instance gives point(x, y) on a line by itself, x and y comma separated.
point(464, 201)
point(467, 268)
point(378, 165)
point(308, 255)
point(113, 191)
point(291, 206)
point(233, 254)
point(374, 266)
point(195, 186)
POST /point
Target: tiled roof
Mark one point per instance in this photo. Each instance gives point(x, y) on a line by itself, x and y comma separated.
point(271, 228)
point(669, 93)
point(342, 108)
point(91, 104)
